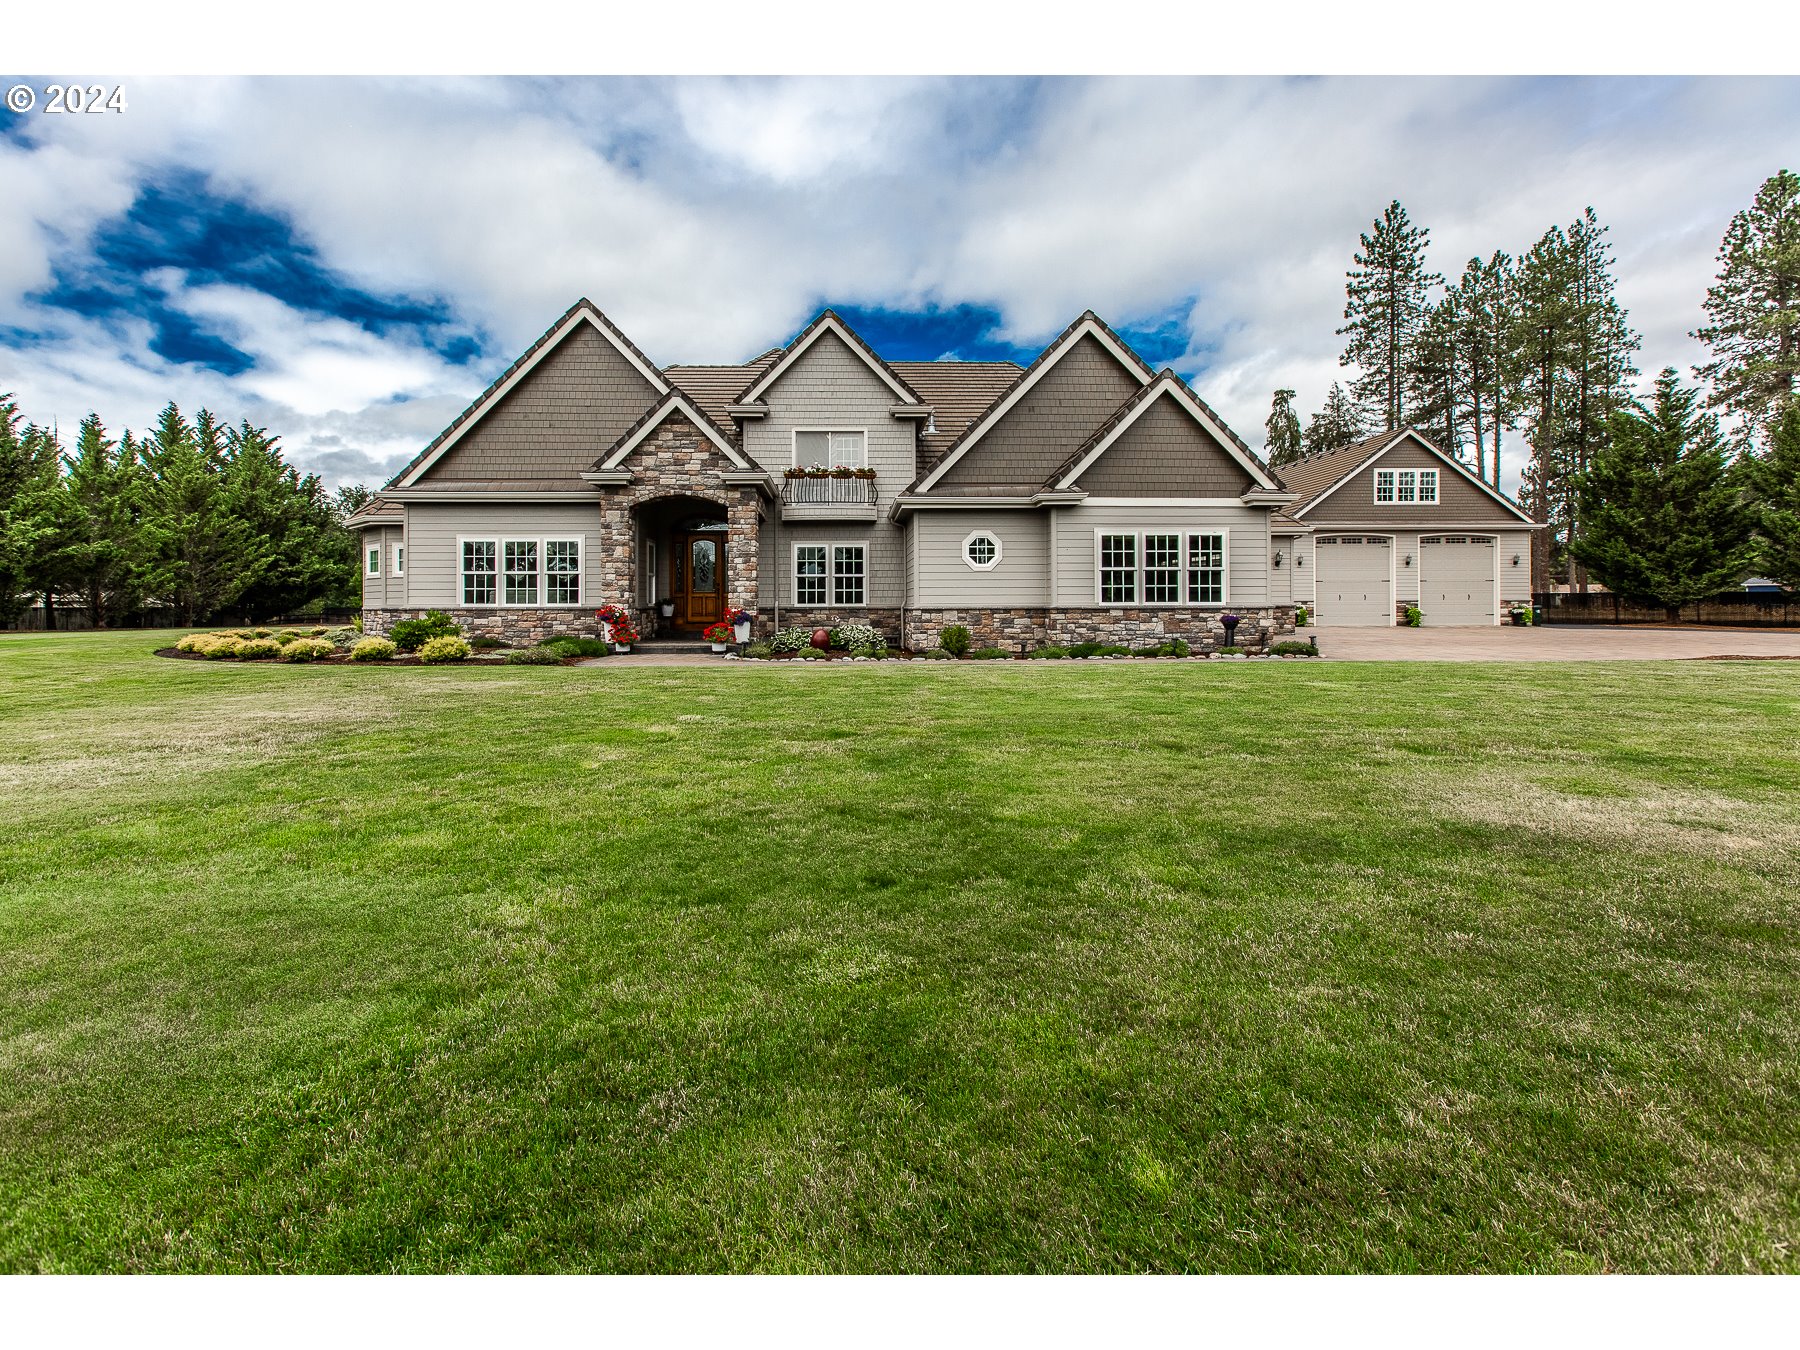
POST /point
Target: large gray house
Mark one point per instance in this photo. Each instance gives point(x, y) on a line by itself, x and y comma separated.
point(1083, 497)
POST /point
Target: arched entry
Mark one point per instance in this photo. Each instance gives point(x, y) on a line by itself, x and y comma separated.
point(684, 544)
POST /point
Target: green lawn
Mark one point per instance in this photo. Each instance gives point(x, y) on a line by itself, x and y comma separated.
point(1249, 967)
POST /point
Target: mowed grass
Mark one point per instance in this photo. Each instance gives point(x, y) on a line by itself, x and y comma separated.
point(1045, 967)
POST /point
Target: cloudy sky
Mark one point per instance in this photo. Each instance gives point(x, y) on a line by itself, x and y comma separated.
point(349, 261)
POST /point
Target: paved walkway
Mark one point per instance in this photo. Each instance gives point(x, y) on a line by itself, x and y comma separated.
point(1552, 642)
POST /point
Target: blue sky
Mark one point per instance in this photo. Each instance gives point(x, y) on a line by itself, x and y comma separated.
point(348, 261)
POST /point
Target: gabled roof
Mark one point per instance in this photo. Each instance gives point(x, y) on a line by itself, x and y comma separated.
point(1167, 384)
point(715, 388)
point(1089, 324)
point(376, 511)
point(1316, 477)
point(583, 311)
point(958, 391)
point(675, 401)
point(829, 322)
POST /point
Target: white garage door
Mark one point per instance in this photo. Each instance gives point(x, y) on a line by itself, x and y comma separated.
point(1355, 581)
point(1456, 580)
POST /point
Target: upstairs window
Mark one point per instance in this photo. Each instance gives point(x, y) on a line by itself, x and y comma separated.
point(833, 449)
point(399, 560)
point(372, 562)
point(1406, 487)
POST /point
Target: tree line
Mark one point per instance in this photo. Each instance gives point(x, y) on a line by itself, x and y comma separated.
point(1540, 346)
point(191, 521)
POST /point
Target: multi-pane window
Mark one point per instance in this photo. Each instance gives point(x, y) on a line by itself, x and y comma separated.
point(809, 574)
point(480, 572)
point(399, 560)
point(1206, 569)
point(833, 449)
point(562, 572)
point(521, 571)
point(1406, 487)
point(847, 574)
point(1118, 569)
point(1162, 569)
point(372, 564)
point(981, 551)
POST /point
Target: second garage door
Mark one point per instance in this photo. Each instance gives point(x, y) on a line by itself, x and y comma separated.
point(1355, 581)
point(1456, 580)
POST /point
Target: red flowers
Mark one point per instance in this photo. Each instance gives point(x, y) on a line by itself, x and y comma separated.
point(618, 621)
point(719, 632)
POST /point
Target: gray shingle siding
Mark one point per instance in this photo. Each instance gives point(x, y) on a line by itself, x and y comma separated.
point(1247, 547)
point(1459, 500)
point(943, 577)
point(555, 422)
point(1060, 412)
point(1165, 453)
point(434, 557)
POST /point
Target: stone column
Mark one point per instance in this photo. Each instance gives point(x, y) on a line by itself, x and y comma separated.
point(744, 515)
point(618, 551)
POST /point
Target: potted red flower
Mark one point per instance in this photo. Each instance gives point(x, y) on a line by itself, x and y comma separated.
point(739, 619)
point(719, 635)
point(618, 626)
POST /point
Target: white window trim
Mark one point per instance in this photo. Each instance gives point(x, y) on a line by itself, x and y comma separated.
point(794, 443)
point(500, 541)
point(400, 559)
point(991, 537)
point(830, 573)
point(1437, 486)
point(1181, 532)
point(372, 561)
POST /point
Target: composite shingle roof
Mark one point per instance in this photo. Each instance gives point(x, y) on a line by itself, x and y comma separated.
point(959, 391)
point(1314, 474)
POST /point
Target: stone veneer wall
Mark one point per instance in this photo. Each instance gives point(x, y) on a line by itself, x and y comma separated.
point(521, 627)
point(887, 621)
point(1031, 627)
point(676, 461)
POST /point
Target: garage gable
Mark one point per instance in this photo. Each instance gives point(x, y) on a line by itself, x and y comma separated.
point(1462, 498)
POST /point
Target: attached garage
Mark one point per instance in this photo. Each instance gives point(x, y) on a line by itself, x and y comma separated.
point(1458, 580)
point(1354, 581)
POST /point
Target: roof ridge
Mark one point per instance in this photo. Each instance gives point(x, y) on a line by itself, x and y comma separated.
point(1119, 414)
point(874, 356)
point(650, 418)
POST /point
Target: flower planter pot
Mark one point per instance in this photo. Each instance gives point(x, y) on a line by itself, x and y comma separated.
point(666, 608)
point(622, 647)
point(719, 646)
point(741, 630)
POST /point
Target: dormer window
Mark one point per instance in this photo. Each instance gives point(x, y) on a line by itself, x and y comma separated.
point(1406, 487)
point(833, 449)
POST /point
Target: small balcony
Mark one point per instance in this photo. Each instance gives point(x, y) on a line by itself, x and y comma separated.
point(821, 497)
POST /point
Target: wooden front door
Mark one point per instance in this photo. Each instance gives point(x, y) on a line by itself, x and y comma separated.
point(699, 578)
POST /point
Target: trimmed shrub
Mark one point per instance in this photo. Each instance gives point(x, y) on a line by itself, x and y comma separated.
point(791, 640)
point(485, 643)
point(758, 651)
point(1292, 648)
point(343, 638)
point(850, 636)
point(1414, 617)
point(990, 654)
point(1302, 616)
point(936, 654)
point(1232, 651)
point(306, 649)
point(1084, 649)
point(258, 649)
point(282, 639)
point(1051, 653)
point(444, 649)
point(583, 647)
point(263, 633)
point(189, 642)
point(1176, 647)
point(955, 640)
point(411, 635)
point(1148, 651)
point(220, 647)
point(315, 632)
point(535, 656)
point(373, 649)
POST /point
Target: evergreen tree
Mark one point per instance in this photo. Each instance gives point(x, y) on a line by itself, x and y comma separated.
point(1666, 517)
point(1754, 308)
point(290, 517)
point(1776, 476)
point(1283, 445)
point(351, 498)
point(200, 557)
point(16, 537)
point(1437, 376)
point(1387, 295)
point(1338, 423)
point(105, 492)
point(1543, 339)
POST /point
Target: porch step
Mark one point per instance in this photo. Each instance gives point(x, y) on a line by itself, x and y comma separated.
point(671, 647)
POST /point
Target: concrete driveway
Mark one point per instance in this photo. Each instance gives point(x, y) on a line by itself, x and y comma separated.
point(1552, 642)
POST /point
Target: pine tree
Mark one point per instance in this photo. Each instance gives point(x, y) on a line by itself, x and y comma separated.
point(291, 518)
point(200, 556)
point(1776, 475)
point(105, 490)
point(1338, 423)
point(1487, 296)
point(1754, 308)
point(1387, 295)
point(1437, 376)
point(15, 535)
point(1283, 445)
point(1543, 339)
point(1667, 520)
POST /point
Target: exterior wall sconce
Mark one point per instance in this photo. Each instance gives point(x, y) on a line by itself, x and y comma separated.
point(1278, 557)
point(1515, 560)
point(1299, 560)
point(1408, 562)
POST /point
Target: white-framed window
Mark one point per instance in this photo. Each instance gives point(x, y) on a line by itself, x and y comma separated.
point(834, 449)
point(480, 572)
point(1162, 566)
point(372, 561)
point(830, 575)
point(1118, 569)
point(521, 572)
point(809, 574)
point(399, 560)
point(1206, 569)
point(1162, 569)
point(981, 550)
point(1406, 487)
point(650, 570)
point(562, 572)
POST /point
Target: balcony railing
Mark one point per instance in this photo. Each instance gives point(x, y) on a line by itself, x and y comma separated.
point(825, 498)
